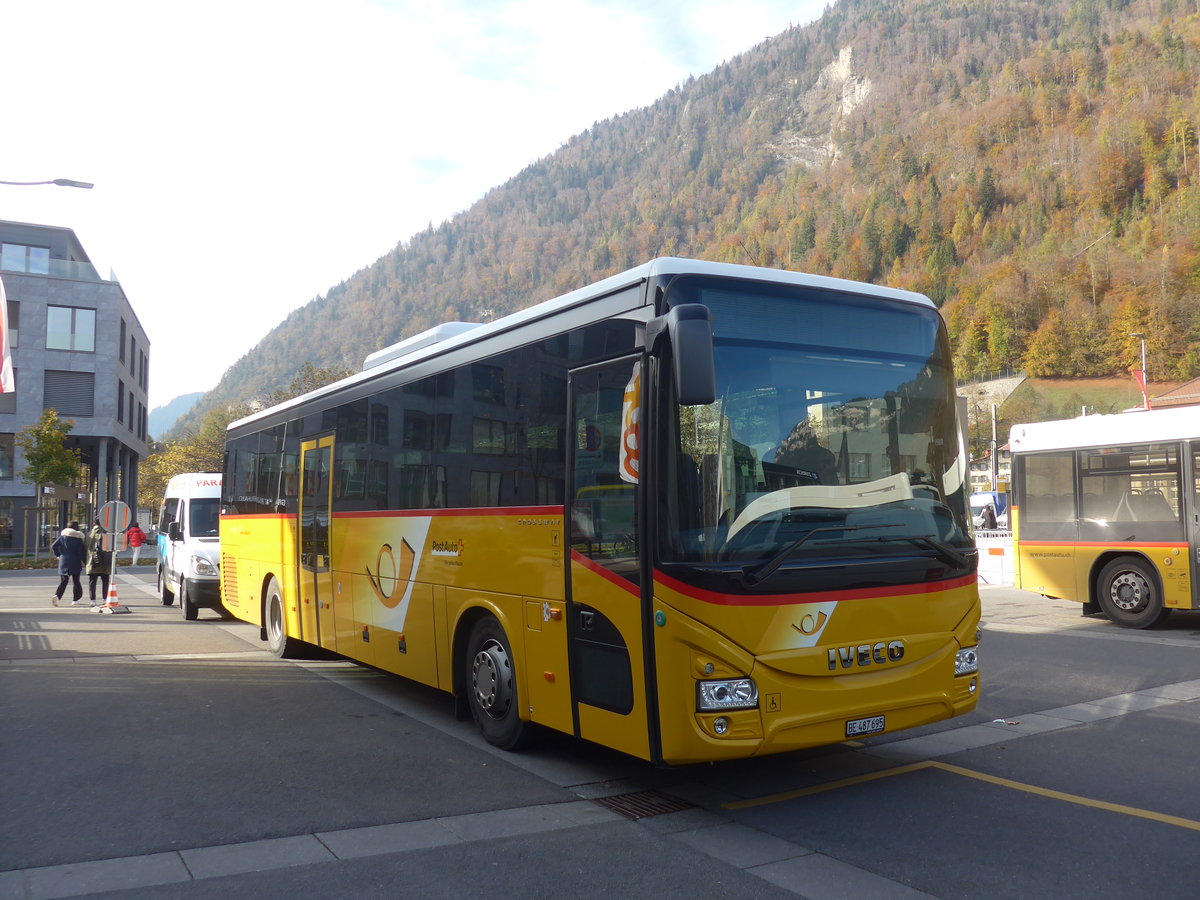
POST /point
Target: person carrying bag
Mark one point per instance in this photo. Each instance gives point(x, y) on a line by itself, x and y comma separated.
point(99, 562)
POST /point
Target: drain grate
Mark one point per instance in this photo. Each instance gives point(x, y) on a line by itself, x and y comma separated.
point(643, 804)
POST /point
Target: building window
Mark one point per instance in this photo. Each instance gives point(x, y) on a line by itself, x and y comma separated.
point(120, 401)
point(14, 322)
point(485, 488)
point(70, 328)
point(71, 393)
point(487, 383)
point(860, 467)
point(121, 346)
point(6, 523)
point(21, 258)
point(7, 443)
point(8, 400)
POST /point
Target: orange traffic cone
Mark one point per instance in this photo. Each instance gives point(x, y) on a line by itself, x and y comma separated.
point(111, 603)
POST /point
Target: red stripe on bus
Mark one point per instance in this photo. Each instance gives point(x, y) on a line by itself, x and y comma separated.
point(465, 512)
point(821, 597)
point(1115, 545)
point(608, 575)
point(409, 513)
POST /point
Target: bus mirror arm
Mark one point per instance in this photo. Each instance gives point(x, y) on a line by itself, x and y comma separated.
point(688, 327)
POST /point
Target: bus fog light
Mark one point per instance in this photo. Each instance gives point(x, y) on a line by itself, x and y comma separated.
point(720, 724)
point(729, 693)
point(973, 686)
point(966, 661)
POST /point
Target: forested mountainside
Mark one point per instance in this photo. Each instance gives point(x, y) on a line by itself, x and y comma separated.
point(1032, 166)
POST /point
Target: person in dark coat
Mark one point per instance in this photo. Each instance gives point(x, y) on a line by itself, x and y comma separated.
point(69, 549)
point(988, 519)
point(99, 562)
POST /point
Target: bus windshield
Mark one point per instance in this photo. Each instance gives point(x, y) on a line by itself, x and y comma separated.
point(831, 457)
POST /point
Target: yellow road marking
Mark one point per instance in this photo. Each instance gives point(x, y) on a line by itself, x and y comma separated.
point(1120, 808)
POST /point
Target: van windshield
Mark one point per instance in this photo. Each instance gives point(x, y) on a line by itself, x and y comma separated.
point(203, 517)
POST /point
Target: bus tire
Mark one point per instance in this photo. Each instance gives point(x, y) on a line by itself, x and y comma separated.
point(276, 625)
point(186, 606)
point(489, 679)
point(164, 590)
point(1128, 592)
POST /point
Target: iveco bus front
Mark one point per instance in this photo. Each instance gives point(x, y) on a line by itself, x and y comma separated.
point(814, 523)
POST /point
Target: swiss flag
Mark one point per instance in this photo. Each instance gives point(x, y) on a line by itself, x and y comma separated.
point(1140, 377)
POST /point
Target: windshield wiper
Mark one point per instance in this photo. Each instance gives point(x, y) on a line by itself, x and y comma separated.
point(760, 573)
point(944, 551)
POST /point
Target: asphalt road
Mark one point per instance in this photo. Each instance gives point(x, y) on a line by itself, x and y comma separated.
point(143, 756)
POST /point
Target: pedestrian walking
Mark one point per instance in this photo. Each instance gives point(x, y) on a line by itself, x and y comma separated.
point(69, 549)
point(99, 562)
point(988, 519)
point(136, 538)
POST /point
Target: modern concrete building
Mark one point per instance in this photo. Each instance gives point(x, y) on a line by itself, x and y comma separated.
point(77, 347)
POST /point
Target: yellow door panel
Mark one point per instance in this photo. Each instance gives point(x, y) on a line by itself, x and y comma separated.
point(407, 648)
point(1050, 570)
point(546, 662)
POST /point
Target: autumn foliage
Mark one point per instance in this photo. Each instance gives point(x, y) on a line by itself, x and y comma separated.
point(1031, 166)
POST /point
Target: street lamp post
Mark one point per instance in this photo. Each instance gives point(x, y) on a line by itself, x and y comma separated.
point(61, 182)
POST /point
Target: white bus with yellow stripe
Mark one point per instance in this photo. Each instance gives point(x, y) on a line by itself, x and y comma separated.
point(693, 512)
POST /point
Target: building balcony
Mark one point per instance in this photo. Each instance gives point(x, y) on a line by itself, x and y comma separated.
point(55, 268)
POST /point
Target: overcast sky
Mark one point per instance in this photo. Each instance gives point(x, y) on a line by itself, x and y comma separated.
point(249, 155)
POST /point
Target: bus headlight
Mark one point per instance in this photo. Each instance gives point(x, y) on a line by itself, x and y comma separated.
point(202, 566)
point(966, 661)
point(728, 693)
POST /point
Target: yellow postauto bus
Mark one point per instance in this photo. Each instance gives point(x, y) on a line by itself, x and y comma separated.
point(692, 512)
point(1105, 512)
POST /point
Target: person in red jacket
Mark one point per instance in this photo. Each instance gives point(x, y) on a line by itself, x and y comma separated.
point(136, 538)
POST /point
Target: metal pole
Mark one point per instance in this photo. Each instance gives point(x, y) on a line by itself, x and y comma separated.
point(995, 450)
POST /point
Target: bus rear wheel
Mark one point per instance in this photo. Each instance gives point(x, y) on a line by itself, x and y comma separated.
point(489, 678)
point(276, 625)
point(1129, 594)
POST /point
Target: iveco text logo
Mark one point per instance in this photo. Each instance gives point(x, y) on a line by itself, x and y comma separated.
point(866, 655)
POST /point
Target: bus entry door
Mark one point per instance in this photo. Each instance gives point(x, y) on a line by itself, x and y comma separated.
point(316, 577)
point(604, 609)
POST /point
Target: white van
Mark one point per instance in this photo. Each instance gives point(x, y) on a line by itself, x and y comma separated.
point(189, 549)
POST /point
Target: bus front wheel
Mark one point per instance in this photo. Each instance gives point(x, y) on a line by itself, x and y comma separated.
point(277, 637)
point(490, 681)
point(1129, 595)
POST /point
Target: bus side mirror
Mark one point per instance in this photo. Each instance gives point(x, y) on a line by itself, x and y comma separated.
point(689, 327)
point(174, 532)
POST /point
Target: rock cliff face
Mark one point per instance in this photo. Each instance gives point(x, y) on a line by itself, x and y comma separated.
point(819, 110)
